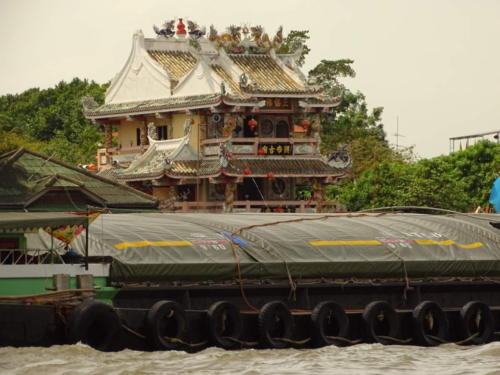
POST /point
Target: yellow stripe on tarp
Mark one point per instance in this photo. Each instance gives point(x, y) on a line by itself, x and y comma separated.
point(124, 245)
point(473, 245)
point(348, 243)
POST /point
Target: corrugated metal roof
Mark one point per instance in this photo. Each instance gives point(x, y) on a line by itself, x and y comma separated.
point(25, 174)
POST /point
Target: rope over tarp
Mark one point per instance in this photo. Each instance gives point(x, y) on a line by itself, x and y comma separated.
point(200, 247)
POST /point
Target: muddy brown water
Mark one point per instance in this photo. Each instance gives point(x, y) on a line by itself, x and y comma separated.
point(357, 359)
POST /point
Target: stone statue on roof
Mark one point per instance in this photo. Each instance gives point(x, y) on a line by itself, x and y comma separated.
point(167, 29)
point(195, 31)
point(152, 133)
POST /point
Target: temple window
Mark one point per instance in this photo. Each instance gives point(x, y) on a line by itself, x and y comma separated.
point(250, 128)
point(137, 137)
point(267, 128)
point(282, 129)
point(162, 132)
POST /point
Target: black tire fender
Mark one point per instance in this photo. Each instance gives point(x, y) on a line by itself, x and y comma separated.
point(275, 323)
point(477, 319)
point(430, 324)
point(94, 323)
point(329, 320)
point(224, 324)
point(380, 320)
point(166, 325)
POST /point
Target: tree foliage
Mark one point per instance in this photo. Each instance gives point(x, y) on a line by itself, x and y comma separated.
point(460, 181)
point(295, 41)
point(328, 73)
point(52, 121)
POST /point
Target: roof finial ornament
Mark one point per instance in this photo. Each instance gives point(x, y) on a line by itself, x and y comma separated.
point(195, 31)
point(166, 31)
point(89, 103)
point(278, 38)
point(243, 80)
point(152, 132)
point(181, 29)
point(222, 89)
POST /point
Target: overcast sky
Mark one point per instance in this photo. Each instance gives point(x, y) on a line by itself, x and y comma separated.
point(434, 64)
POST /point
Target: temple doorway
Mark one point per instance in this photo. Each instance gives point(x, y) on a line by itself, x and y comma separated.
point(249, 189)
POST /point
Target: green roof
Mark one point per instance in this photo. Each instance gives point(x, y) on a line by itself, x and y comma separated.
point(33, 181)
point(22, 221)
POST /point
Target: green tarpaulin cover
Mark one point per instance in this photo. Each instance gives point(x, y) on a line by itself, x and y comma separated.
point(151, 247)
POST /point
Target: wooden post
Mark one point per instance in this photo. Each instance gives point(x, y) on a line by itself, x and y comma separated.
point(229, 196)
point(318, 194)
point(144, 135)
point(61, 281)
point(108, 136)
point(302, 207)
point(85, 282)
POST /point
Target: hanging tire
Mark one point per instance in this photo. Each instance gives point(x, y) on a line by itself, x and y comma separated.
point(94, 323)
point(275, 325)
point(329, 323)
point(224, 325)
point(166, 325)
point(477, 321)
point(430, 324)
point(381, 322)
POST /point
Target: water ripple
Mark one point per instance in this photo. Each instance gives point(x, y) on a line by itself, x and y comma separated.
point(364, 359)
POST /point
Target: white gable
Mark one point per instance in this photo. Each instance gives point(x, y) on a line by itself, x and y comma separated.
point(141, 78)
point(199, 81)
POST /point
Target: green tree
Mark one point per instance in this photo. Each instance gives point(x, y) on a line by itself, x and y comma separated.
point(10, 140)
point(460, 181)
point(54, 117)
point(296, 41)
point(328, 73)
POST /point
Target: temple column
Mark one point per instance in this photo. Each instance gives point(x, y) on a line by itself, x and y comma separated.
point(229, 196)
point(144, 135)
point(108, 136)
point(318, 194)
point(167, 196)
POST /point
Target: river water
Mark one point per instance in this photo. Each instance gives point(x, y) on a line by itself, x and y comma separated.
point(357, 359)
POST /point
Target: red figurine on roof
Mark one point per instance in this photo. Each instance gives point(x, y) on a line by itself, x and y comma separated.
point(181, 28)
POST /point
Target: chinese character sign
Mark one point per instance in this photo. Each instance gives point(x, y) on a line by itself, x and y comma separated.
point(275, 149)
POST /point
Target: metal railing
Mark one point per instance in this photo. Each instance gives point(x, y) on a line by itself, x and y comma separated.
point(29, 256)
point(262, 206)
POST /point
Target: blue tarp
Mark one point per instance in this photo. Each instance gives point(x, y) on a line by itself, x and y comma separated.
point(495, 195)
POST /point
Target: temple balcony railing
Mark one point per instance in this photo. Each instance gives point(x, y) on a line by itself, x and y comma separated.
point(262, 146)
point(123, 155)
point(126, 150)
point(299, 206)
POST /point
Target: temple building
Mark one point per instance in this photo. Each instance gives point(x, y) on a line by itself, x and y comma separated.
point(216, 122)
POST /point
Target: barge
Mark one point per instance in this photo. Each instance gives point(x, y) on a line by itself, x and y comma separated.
point(188, 281)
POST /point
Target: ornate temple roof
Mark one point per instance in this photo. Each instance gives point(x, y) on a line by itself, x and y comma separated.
point(235, 168)
point(175, 159)
point(186, 70)
point(266, 74)
point(176, 63)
